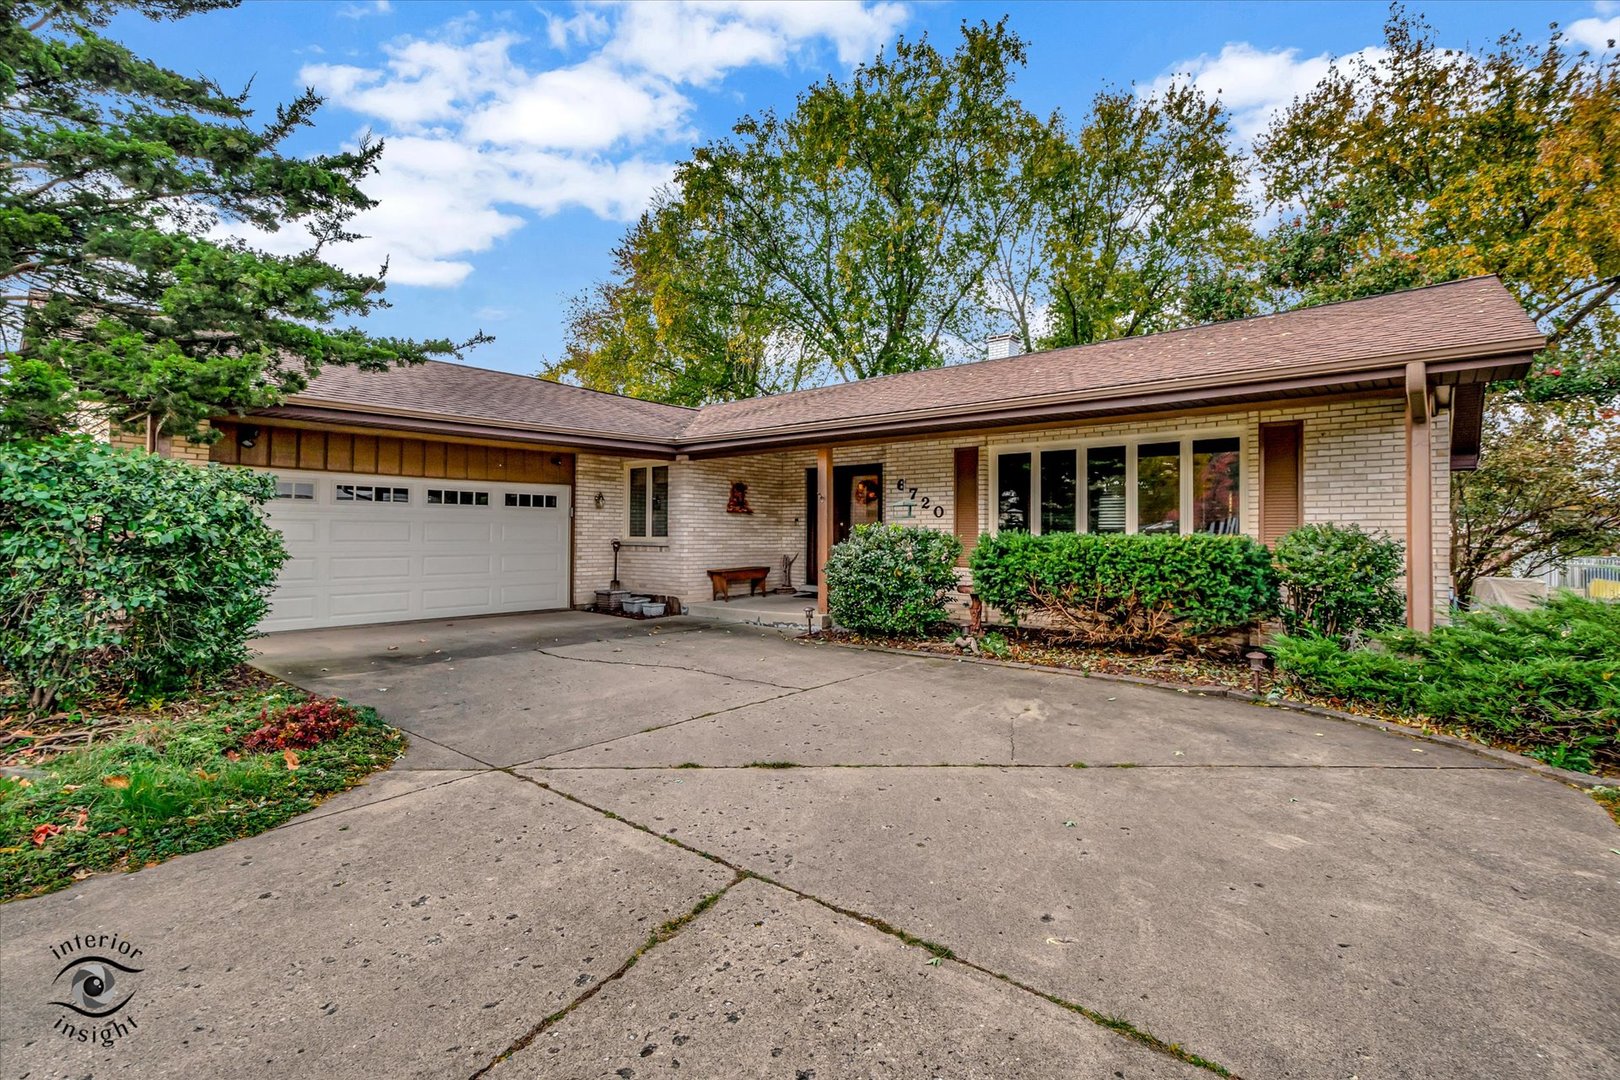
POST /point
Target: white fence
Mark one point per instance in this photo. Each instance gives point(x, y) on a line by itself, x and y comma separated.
point(1578, 574)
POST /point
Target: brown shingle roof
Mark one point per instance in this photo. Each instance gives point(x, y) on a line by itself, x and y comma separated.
point(1473, 315)
point(1476, 317)
point(459, 392)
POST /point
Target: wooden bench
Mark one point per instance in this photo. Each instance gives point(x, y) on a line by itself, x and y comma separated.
point(723, 580)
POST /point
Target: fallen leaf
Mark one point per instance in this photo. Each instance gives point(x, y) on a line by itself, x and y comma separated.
point(232, 755)
point(78, 822)
point(291, 759)
point(119, 782)
point(44, 832)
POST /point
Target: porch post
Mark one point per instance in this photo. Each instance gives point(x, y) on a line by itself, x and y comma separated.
point(824, 523)
point(1419, 501)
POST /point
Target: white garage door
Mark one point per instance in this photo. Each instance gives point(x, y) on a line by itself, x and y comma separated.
point(370, 549)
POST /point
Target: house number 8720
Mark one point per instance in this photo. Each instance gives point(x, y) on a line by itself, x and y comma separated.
point(912, 503)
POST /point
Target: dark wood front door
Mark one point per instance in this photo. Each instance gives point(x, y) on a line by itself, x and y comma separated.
point(857, 492)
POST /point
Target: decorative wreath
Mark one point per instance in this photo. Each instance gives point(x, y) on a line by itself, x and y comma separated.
point(865, 493)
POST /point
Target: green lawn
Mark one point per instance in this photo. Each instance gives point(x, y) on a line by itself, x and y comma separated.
point(172, 778)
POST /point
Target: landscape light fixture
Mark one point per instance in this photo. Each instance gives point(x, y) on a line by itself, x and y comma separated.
point(1257, 664)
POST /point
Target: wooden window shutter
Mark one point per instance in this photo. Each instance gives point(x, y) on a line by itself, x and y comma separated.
point(1281, 480)
point(967, 499)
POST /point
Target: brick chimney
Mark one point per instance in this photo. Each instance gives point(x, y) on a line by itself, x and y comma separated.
point(1000, 346)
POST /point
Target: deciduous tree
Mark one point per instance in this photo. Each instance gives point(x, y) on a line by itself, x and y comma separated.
point(686, 319)
point(1145, 219)
point(1415, 163)
point(874, 207)
point(1547, 489)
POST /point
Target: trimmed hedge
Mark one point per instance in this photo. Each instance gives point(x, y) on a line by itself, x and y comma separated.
point(1339, 581)
point(127, 573)
point(1137, 590)
point(1546, 681)
point(892, 579)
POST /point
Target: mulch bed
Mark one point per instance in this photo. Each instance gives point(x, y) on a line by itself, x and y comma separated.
point(26, 741)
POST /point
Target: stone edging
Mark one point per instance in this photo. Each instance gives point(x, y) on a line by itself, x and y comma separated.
point(1583, 781)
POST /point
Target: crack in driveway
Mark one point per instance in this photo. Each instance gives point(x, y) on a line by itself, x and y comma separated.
point(698, 670)
point(942, 953)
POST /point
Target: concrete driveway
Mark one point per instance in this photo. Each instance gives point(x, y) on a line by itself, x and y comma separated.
point(592, 863)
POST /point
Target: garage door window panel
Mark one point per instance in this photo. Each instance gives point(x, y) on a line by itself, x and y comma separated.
point(456, 497)
point(372, 494)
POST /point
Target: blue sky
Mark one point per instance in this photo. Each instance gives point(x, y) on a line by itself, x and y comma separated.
point(523, 137)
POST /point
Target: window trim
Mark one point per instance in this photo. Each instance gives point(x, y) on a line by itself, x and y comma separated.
point(648, 537)
point(1184, 437)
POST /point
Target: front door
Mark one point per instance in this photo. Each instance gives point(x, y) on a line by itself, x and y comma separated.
point(857, 500)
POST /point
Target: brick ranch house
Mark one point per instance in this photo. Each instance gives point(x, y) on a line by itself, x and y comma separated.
point(444, 490)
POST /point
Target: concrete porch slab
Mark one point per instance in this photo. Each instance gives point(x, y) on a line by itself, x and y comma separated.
point(776, 612)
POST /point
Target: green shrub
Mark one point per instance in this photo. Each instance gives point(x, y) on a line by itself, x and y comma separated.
point(1135, 590)
point(1545, 681)
point(892, 579)
point(1339, 581)
point(127, 572)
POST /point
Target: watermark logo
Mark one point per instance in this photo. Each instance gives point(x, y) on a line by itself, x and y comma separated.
point(94, 986)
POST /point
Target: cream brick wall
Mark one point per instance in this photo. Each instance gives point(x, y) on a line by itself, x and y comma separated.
point(169, 447)
point(1354, 473)
point(701, 533)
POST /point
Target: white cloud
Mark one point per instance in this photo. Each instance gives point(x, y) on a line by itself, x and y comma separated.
point(590, 106)
point(701, 40)
point(360, 11)
point(583, 26)
point(1255, 84)
point(1597, 33)
point(480, 136)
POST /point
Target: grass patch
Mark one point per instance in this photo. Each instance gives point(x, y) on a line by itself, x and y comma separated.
point(772, 765)
point(1609, 799)
point(167, 779)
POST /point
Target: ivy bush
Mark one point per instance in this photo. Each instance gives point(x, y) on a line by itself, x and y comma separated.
point(892, 579)
point(1339, 581)
point(126, 572)
point(1140, 591)
point(1546, 681)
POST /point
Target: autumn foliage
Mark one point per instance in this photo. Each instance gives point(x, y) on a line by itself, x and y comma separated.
point(300, 727)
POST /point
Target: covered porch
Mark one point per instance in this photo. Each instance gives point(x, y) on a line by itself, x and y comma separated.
point(1259, 469)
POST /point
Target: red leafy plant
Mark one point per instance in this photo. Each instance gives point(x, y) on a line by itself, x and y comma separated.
point(300, 727)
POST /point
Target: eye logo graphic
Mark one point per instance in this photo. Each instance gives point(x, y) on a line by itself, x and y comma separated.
point(94, 988)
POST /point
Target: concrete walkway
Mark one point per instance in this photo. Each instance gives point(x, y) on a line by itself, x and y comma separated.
point(591, 863)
